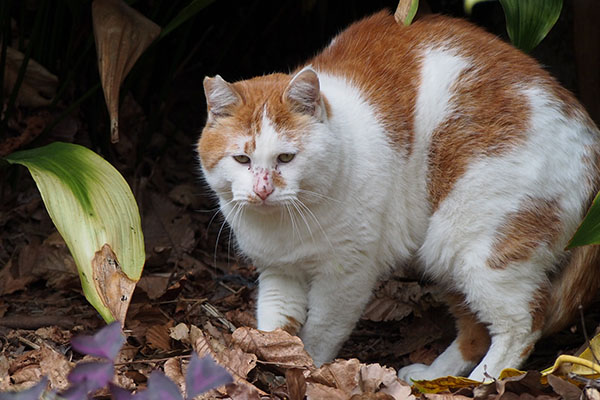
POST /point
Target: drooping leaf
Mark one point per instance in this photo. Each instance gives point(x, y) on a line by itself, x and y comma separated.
point(105, 343)
point(162, 388)
point(122, 34)
point(589, 230)
point(529, 21)
point(405, 12)
point(33, 393)
point(95, 212)
point(92, 375)
point(204, 374)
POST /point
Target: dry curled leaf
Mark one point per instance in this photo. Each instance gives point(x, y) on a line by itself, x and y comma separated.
point(112, 285)
point(122, 34)
point(278, 347)
point(38, 86)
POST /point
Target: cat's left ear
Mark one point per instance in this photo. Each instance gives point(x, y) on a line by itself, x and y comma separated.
point(303, 94)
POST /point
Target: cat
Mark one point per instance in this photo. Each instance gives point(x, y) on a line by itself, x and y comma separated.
point(435, 144)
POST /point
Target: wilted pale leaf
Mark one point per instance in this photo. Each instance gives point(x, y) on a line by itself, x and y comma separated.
point(277, 346)
point(528, 22)
point(95, 212)
point(122, 34)
point(38, 86)
point(406, 10)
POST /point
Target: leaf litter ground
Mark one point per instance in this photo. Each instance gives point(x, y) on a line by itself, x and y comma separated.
point(196, 294)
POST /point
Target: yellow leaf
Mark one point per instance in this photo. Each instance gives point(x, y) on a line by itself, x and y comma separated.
point(444, 384)
point(509, 373)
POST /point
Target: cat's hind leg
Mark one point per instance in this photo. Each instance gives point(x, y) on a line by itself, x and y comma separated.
point(470, 345)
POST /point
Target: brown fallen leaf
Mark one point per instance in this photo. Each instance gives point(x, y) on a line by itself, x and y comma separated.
point(4, 376)
point(565, 389)
point(157, 337)
point(296, 383)
point(55, 366)
point(341, 374)
point(38, 86)
point(278, 347)
point(234, 359)
point(122, 34)
point(318, 391)
point(174, 371)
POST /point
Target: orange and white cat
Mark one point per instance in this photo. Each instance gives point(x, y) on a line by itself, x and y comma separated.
point(435, 144)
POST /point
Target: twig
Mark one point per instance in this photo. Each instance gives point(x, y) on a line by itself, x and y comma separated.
point(585, 335)
point(28, 342)
point(152, 360)
point(213, 312)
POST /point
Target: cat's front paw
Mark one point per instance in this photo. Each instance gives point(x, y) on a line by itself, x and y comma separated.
point(417, 372)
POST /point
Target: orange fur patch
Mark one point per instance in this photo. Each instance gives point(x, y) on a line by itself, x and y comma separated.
point(377, 55)
point(473, 336)
point(293, 326)
point(534, 225)
point(278, 180)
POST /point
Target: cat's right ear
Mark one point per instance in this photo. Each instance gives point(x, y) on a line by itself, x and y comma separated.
point(221, 97)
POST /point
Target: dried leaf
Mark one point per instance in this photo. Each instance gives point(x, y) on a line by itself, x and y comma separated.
point(173, 372)
point(157, 337)
point(38, 86)
point(122, 34)
point(55, 366)
point(443, 384)
point(296, 383)
point(238, 362)
point(565, 389)
point(341, 374)
point(112, 285)
point(278, 346)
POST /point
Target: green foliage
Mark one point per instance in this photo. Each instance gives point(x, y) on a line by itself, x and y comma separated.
point(529, 21)
point(91, 205)
point(589, 230)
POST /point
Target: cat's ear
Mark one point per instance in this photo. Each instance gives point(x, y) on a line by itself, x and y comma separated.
point(221, 97)
point(303, 93)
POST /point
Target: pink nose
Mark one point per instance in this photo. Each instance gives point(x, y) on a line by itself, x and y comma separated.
point(263, 190)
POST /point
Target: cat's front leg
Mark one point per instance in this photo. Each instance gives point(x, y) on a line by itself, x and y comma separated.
point(282, 301)
point(335, 303)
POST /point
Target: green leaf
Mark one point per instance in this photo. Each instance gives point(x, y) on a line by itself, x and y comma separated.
point(406, 11)
point(95, 212)
point(468, 4)
point(529, 21)
point(589, 230)
point(186, 13)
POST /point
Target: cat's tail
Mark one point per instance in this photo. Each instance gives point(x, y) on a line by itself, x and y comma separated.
point(578, 284)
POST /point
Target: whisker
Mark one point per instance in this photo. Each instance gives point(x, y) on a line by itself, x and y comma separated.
point(299, 210)
point(314, 217)
point(317, 195)
point(236, 205)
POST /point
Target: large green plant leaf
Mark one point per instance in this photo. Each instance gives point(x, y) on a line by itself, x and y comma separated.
point(406, 11)
point(589, 230)
point(529, 21)
point(95, 212)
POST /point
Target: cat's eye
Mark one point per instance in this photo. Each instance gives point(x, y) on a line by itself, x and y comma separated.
point(285, 157)
point(242, 159)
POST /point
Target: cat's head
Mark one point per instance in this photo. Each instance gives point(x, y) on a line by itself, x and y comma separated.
point(266, 139)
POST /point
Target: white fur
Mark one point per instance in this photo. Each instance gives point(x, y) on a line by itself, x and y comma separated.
point(368, 210)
